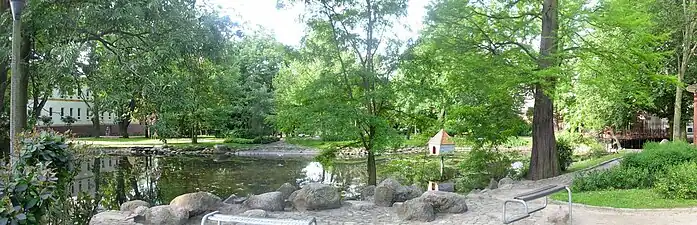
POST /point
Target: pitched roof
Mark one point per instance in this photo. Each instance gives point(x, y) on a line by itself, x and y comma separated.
point(441, 138)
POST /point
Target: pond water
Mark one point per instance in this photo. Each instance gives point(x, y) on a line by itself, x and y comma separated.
point(160, 179)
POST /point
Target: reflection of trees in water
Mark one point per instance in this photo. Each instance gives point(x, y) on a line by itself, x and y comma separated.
point(132, 179)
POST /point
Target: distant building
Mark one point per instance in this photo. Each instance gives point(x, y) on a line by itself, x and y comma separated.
point(61, 105)
point(85, 181)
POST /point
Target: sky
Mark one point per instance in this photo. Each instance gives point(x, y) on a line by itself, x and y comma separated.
point(285, 24)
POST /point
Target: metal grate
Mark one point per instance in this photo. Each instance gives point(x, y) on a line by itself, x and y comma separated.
point(215, 216)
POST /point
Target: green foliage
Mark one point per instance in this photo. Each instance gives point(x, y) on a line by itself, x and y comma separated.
point(68, 120)
point(417, 170)
point(42, 169)
point(46, 120)
point(565, 151)
point(657, 158)
point(614, 178)
point(679, 182)
point(481, 165)
point(257, 140)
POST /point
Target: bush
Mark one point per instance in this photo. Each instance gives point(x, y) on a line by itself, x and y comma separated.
point(417, 170)
point(565, 151)
point(257, 140)
point(598, 150)
point(679, 182)
point(615, 178)
point(481, 165)
point(657, 158)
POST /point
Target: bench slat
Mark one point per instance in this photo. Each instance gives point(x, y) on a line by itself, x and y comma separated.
point(535, 191)
point(257, 221)
point(540, 194)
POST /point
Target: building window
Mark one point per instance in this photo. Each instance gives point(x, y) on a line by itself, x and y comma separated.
point(62, 111)
point(109, 115)
point(88, 112)
point(71, 111)
point(78, 113)
point(50, 112)
point(110, 163)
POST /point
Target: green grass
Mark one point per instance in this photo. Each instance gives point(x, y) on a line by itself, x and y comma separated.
point(317, 144)
point(204, 141)
point(580, 165)
point(631, 198)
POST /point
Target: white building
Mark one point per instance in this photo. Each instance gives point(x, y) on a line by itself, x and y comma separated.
point(85, 181)
point(61, 105)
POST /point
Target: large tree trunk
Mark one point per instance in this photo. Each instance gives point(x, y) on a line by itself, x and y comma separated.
point(372, 170)
point(96, 123)
point(123, 127)
point(687, 49)
point(544, 162)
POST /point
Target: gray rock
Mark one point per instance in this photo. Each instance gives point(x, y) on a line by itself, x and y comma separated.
point(506, 181)
point(166, 215)
point(445, 202)
point(664, 141)
point(197, 203)
point(113, 217)
point(316, 197)
point(493, 184)
point(132, 205)
point(405, 193)
point(256, 213)
point(140, 212)
point(367, 192)
point(272, 201)
point(447, 187)
point(234, 199)
point(560, 216)
point(385, 192)
point(417, 209)
point(286, 189)
point(221, 148)
point(232, 209)
point(360, 205)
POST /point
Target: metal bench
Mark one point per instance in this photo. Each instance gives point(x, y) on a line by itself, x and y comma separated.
point(532, 195)
point(217, 217)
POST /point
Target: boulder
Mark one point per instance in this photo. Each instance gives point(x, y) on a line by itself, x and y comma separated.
point(166, 215)
point(367, 192)
point(234, 199)
point(360, 205)
point(447, 187)
point(113, 217)
point(286, 189)
point(404, 193)
point(664, 141)
point(492, 184)
point(132, 205)
point(560, 216)
point(232, 209)
point(505, 182)
point(316, 197)
point(221, 148)
point(256, 213)
point(445, 202)
point(197, 203)
point(140, 212)
point(417, 209)
point(385, 192)
point(272, 201)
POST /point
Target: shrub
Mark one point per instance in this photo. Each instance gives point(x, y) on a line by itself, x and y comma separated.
point(615, 178)
point(257, 140)
point(565, 151)
point(657, 158)
point(679, 182)
point(481, 165)
point(597, 150)
point(417, 170)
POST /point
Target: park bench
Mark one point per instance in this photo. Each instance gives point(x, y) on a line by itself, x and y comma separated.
point(217, 217)
point(524, 198)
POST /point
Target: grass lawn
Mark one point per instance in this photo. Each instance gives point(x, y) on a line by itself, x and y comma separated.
point(140, 141)
point(580, 165)
point(632, 198)
point(317, 144)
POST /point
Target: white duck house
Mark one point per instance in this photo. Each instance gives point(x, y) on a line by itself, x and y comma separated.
point(441, 143)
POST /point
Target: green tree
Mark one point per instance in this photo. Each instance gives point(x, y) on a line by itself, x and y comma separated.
point(351, 94)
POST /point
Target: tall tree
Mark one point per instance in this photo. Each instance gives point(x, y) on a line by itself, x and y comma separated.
point(352, 39)
point(687, 26)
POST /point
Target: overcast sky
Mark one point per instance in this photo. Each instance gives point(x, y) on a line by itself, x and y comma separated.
point(285, 23)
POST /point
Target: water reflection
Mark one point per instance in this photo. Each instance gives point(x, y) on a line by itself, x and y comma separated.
point(159, 179)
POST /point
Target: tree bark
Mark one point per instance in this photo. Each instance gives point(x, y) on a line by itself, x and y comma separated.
point(544, 161)
point(372, 170)
point(96, 123)
point(16, 107)
point(688, 48)
point(4, 69)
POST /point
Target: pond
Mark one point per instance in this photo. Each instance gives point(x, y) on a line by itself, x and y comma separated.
point(158, 180)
